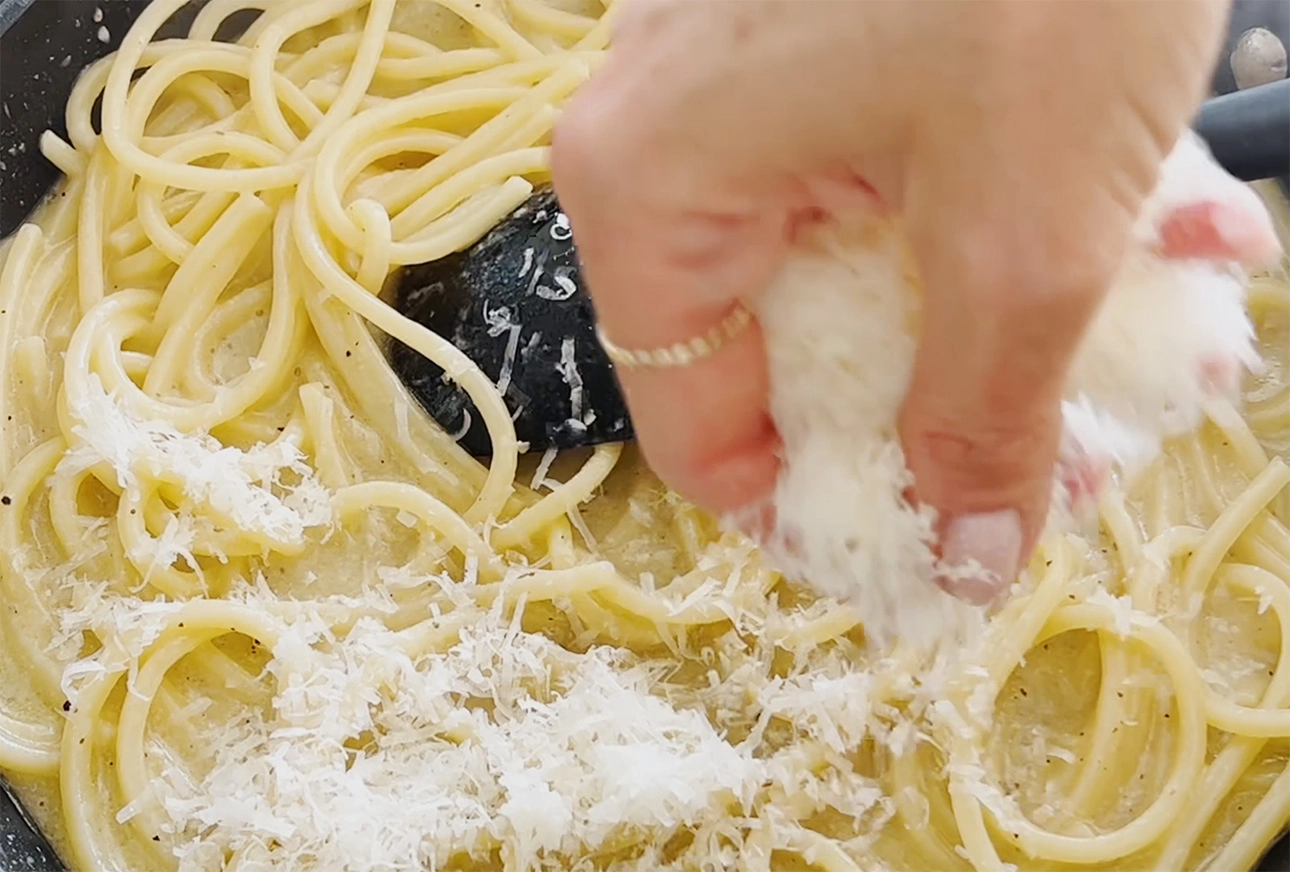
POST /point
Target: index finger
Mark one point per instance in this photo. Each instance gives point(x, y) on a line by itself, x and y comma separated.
point(661, 274)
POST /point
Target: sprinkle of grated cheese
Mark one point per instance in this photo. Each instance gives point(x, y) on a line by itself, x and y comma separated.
point(245, 487)
point(504, 739)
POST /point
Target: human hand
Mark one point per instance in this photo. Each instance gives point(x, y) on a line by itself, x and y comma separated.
point(1016, 140)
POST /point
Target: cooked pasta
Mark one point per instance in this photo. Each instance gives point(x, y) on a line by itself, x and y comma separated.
point(262, 613)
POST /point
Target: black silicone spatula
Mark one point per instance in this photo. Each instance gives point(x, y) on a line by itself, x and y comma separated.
point(1249, 131)
point(515, 304)
point(1247, 125)
point(1253, 54)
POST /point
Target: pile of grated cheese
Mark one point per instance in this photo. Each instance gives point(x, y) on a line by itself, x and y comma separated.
point(372, 755)
point(502, 746)
point(377, 760)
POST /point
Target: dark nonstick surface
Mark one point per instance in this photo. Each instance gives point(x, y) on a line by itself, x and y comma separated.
point(44, 44)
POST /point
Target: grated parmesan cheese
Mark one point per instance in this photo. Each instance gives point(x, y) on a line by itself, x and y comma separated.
point(244, 486)
point(568, 369)
point(508, 360)
point(571, 750)
point(575, 518)
point(839, 324)
point(1121, 607)
point(543, 467)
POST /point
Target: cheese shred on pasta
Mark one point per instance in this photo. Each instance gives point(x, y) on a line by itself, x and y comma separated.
point(262, 614)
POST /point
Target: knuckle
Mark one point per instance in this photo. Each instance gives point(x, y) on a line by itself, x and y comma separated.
point(1014, 272)
point(1048, 276)
point(597, 151)
point(989, 463)
point(576, 150)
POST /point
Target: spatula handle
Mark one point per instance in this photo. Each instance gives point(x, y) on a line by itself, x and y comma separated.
point(1249, 131)
point(1249, 136)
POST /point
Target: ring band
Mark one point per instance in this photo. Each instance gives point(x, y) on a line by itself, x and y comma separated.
point(681, 353)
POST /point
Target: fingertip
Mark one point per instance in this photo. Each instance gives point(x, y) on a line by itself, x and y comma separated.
point(981, 555)
point(1004, 313)
point(983, 456)
point(982, 592)
point(969, 463)
point(578, 151)
point(1238, 231)
point(732, 476)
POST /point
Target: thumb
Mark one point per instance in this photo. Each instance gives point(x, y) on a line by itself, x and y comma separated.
point(1012, 276)
point(1019, 202)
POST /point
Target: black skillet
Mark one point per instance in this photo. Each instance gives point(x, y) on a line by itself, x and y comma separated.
point(45, 43)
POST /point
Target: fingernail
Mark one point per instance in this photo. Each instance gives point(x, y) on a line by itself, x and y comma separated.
point(981, 555)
